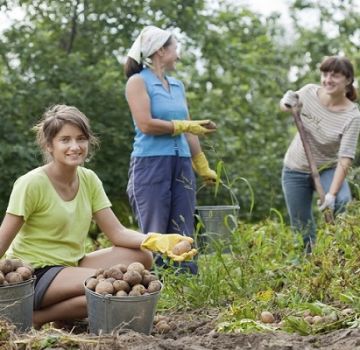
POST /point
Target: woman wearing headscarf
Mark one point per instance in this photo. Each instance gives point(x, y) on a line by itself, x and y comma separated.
point(166, 148)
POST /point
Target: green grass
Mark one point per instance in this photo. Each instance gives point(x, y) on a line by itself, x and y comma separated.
point(265, 268)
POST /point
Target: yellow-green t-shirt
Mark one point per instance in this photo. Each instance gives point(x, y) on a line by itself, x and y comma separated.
point(54, 230)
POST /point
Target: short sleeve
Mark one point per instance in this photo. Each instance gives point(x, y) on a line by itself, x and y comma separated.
point(23, 198)
point(99, 199)
point(349, 138)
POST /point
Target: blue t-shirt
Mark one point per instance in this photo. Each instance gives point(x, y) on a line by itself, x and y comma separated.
point(165, 105)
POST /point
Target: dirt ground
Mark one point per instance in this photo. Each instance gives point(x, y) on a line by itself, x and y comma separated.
point(195, 331)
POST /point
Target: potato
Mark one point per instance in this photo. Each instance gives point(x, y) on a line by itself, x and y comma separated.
point(13, 277)
point(181, 248)
point(114, 273)
point(317, 319)
point(154, 286)
point(121, 285)
point(6, 266)
point(99, 272)
point(132, 277)
point(136, 266)
point(134, 293)
point(16, 263)
point(104, 287)
point(309, 319)
point(121, 267)
point(91, 283)
point(162, 327)
point(25, 272)
point(267, 317)
point(121, 293)
point(147, 278)
point(2, 278)
point(210, 125)
point(140, 288)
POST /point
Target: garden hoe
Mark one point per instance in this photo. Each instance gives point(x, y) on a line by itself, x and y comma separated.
point(328, 215)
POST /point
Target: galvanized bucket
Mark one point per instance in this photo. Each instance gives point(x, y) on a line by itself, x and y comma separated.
point(107, 313)
point(16, 303)
point(218, 222)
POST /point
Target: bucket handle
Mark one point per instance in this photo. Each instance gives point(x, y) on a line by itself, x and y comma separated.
point(232, 195)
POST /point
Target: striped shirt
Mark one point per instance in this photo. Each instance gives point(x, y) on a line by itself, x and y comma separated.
point(331, 135)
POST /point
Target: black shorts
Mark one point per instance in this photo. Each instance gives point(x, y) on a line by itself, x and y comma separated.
point(44, 277)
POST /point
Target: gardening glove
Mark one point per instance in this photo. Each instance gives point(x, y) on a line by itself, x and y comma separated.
point(195, 127)
point(290, 99)
point(165, 243)
point(201, 167)
point(329, 202)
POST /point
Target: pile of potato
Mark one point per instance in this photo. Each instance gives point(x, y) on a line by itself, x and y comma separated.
point(14, 271)
point(121, 281)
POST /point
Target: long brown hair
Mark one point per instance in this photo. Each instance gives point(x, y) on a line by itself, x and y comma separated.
point(342, 65)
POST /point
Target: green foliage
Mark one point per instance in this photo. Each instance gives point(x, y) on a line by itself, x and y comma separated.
point(266, 269)
point(235, 65)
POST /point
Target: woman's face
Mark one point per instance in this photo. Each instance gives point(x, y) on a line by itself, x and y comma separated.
point(334, 83)
point(170, 55)
point(70, 146)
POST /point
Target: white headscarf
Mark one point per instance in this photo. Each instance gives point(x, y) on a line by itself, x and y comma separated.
point(149, 41)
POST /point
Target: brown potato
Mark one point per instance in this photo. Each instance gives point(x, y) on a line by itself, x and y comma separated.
point(181, 248)
point(162, 327)
point(140, 288)
point(25, 272)
point(121, 267)
point(136, 266)
point(114, 273)
point(16, 263)
point(154, 286)
point(147, 278)
point(13, 277)
point(134, 293)
point(91, 283)
point(121, 293)
point(6, 266)
point(99, 272)
point(210, 125)
point(104, 287)
point(2, 278)
point(121, 285)
point(132, 277)
point(267, 317)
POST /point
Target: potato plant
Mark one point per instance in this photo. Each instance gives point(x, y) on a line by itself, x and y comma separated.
point(122, 281)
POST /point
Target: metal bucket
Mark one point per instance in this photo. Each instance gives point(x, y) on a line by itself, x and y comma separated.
point(107, 313)
point(16, 303)
point(218, 221)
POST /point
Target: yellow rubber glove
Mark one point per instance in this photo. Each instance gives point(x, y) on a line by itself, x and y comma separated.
point(195, 127)
point(201, 167)
point(164, 243)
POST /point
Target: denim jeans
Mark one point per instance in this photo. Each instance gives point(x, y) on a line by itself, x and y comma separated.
point(298, 188)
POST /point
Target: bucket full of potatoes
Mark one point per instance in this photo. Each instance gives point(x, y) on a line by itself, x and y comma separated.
point(122, 297)
point(16, 293)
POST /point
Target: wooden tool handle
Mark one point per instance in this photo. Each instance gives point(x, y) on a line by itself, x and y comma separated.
point(329, 218)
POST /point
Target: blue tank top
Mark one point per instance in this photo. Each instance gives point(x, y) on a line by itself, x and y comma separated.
point(165, 105)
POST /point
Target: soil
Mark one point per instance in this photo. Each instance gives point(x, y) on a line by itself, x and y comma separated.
point(195, 331)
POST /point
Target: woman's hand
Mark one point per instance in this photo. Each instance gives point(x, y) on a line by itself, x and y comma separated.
point(165, 244)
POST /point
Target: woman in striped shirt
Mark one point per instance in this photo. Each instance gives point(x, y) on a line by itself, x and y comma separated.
point(332, 122)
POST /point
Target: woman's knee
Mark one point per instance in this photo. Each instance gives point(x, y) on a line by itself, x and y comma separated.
point(147, 259)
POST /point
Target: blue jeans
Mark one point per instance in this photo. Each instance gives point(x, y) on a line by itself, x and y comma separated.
point(298, 188)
